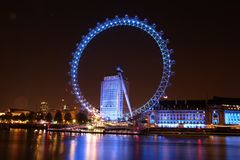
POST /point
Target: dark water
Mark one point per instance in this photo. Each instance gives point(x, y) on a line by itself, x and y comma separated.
point(30, 144)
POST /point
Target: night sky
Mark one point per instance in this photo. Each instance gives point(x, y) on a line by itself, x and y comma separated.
point(37, 39)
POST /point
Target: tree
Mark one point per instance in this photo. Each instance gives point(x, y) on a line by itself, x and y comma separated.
point(68, 117)
point(58, 117)
point(2, 117)
point(16, 118)
point(31, 116)
point(81, 118)
point(49, 117)
point(8, 116)
point(22, 117)
point(39, 116)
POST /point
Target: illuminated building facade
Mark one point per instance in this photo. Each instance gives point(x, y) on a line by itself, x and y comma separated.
point(44, 107)
point(232, 114)
point(111, 100)
point(232, 117)
point(178, 118)
point(18, 112)
point(196, 113)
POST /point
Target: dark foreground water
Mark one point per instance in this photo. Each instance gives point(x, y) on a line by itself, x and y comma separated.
point(20, 144)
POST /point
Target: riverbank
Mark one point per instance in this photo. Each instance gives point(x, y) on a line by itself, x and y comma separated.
point(226, 131)
point(193, 131)
point(160, 131)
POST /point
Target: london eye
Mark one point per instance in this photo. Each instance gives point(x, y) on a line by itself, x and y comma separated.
point(135, 22)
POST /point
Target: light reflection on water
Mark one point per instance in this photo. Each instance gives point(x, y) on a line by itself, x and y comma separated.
point(30, 144)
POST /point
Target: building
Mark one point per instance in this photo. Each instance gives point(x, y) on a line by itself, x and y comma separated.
point(196, 113)
point(44, 107)
point(64, 106)
point(18, 112)
point(111, 99)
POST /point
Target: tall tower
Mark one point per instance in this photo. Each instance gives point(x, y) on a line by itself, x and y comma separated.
point(111, 100)
point(44, 107)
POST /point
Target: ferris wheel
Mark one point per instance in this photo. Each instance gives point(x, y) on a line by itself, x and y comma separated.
point(120, 22)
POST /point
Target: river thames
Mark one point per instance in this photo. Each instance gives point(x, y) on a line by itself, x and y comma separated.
point(34, 144)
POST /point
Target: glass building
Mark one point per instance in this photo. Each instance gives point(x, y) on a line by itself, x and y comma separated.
point(111, 100)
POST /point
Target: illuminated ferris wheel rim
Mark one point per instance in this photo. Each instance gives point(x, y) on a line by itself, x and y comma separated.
point(118, 22)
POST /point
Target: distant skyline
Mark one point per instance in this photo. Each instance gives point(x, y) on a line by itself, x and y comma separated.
point(37, 39)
